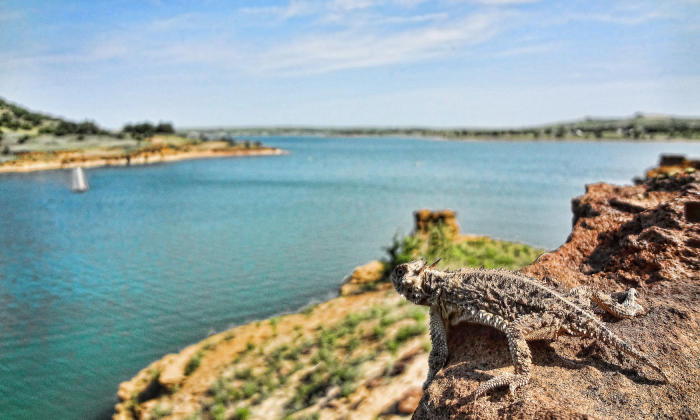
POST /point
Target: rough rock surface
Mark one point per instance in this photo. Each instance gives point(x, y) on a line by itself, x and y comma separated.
point(645, 236)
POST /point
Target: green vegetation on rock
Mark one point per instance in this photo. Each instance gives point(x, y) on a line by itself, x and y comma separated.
point(459, 252)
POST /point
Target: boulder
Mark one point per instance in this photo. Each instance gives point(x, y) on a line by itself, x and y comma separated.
point(173, 367)
point(645, 236)
point(673, 164)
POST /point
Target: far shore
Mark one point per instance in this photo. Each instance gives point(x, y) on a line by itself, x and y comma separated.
point(62, 161)
point(439, 137)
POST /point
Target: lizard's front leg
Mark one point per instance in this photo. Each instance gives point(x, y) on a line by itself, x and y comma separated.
point(438, 339)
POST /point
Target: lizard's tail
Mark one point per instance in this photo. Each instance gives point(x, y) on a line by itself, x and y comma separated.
point(606, 336)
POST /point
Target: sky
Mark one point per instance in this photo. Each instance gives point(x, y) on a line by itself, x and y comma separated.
point(442, 63)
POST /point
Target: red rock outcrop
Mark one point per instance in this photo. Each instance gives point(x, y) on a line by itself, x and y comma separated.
point(425, 219)
point(674, 164)
point(645, 236)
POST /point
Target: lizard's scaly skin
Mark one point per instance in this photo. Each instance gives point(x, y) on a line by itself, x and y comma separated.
point(519, 306)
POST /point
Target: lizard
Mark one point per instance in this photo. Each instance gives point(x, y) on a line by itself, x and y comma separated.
point(519, 306)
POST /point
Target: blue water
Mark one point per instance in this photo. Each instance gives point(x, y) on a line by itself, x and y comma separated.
point(95, 286)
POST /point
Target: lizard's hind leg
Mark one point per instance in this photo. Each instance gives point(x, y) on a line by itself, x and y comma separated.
point(519, 351)
point(629, 307)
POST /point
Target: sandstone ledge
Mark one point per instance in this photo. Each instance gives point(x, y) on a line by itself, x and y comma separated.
point(66, 160)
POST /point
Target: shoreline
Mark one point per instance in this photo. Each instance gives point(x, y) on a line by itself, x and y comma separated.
point(183, 391)
point(138, 159)
point(472, 138)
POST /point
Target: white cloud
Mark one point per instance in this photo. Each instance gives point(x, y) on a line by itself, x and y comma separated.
point(619, 18)
point(529, 49)
point(345, 5)
point(504, 2)
point(412, 19)
point(328, 52)
point(409, 3)
point(294, 8)
point(171, 23)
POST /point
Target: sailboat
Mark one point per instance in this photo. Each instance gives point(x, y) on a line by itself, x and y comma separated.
point(79, 181)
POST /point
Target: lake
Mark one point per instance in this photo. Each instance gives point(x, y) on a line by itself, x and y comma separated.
point(95, 286)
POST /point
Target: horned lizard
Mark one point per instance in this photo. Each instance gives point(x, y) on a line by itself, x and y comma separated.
point(519, 306)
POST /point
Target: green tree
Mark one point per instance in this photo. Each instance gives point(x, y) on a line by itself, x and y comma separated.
point(560, 132)
point(165, 128)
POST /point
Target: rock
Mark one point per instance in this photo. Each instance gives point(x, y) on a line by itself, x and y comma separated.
point(173, 367)
point(425, 219)
point(671, 160)
point(408, 402)
point(673, 164)
point(361, 277)
point(640, 236)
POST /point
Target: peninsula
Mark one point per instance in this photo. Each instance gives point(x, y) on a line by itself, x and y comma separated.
point(31, 141)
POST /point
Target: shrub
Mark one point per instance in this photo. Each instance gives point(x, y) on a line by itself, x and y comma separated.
point(378, 311)
point(242, 413)
point(160, 412)
point(418, 314)
point(308, 310)
point(193, 364)
point(386, 321)
point(353, 343)
point(243, 374)
point(347, 390)
point(379, 332)
point(392, 346)
point(197, 415)
point(249, 389)
point(408, 332)
point(218, 412)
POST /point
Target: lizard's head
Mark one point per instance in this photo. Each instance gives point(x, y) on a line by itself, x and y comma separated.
point(410, 281)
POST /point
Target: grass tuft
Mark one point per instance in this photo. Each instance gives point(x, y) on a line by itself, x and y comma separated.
point(194, 363)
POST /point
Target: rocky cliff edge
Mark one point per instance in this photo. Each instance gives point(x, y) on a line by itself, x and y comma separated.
point(645, 236)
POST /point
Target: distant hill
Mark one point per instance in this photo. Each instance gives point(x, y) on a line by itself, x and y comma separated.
point(19, 122)
point(638, 127)
point(33, 141)
point(17, 119)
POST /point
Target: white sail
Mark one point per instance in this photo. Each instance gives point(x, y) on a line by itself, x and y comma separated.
point(79, 181)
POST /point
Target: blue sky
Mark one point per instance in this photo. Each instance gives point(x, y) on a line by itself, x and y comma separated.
point(350, 62)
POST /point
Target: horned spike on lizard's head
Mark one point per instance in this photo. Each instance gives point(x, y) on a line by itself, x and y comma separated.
point(409, 281)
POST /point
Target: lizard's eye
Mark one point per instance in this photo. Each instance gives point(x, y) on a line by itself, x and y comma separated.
point(400, 271)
